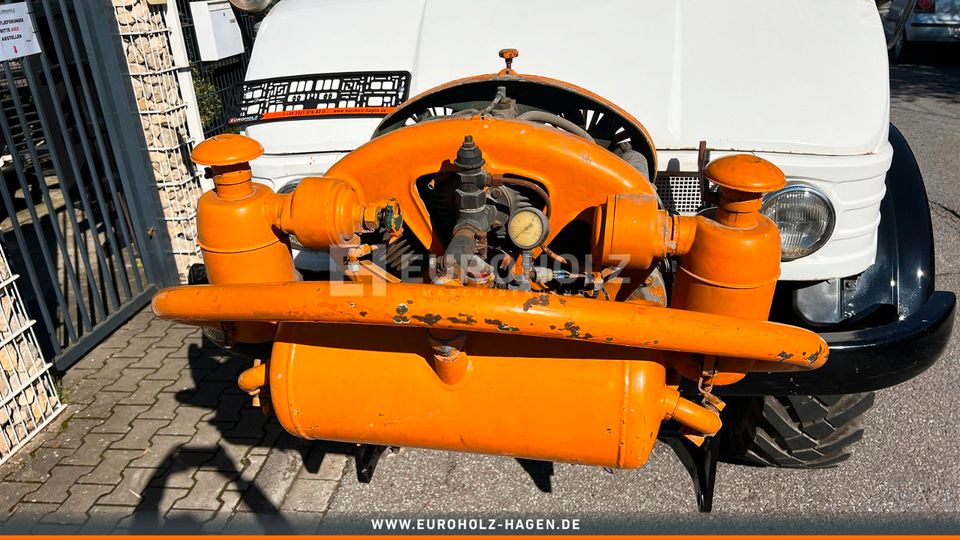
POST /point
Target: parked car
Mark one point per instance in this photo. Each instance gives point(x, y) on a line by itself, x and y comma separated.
point(923, 21)
point(704, 106)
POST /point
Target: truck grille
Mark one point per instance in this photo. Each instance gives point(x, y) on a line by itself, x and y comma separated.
point(680, 192)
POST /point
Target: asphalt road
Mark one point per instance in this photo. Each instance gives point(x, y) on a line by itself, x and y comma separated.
point(904, 474)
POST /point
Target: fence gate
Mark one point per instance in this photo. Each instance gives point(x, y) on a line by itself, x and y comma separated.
point(80, 216)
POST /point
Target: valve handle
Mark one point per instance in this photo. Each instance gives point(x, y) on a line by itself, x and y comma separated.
point(508, 55)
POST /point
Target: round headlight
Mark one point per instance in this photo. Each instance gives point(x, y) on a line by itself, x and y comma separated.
point(804, 216)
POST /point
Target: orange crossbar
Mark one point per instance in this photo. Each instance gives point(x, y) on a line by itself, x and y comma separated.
point(469, 309)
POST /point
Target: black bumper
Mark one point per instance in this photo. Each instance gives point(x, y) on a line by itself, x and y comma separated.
point(869, 359)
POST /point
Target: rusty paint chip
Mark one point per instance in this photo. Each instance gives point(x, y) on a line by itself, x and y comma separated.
point(572, 327)
point(815, 356)
point(429, 319)
point(784, 356)
point(363, 313)
point(402, 309)
point(462, 318)
point(501, 326)
point(539, 300)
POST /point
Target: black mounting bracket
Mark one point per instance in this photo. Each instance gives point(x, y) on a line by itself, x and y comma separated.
point(701, 463)
point(368, 455)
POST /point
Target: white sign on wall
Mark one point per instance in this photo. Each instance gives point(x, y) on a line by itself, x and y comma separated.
point(16, 32)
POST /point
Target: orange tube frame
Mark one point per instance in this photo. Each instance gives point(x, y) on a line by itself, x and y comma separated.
point(782, 347)
point(599, 397)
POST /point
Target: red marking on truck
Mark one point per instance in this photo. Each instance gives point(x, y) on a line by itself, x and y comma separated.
point(333, 111)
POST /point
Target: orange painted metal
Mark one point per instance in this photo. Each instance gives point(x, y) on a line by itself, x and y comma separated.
point(508, 372)
point(225, 150)
point(243, 227)
point(497, 311)
point(322, 213)
point(450, 361)
point(733, 262)
point(745, 172)
point(689, 414)
point(546, 81)
point(743, 179)
point(581, 403)
point(389, 166)
point(729, 271)
point(240, 216)
point(253, 379)
point(236, 240)
point(630, 231)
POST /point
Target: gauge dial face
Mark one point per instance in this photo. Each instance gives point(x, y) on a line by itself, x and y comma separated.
point(528, 228)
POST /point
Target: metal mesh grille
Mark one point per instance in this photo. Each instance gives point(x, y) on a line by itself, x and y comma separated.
point(680, 192)
point(361, 94)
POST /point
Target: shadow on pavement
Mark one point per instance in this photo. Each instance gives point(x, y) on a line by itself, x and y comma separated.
point(541, 472)
point(238, 423)
point(928, 69)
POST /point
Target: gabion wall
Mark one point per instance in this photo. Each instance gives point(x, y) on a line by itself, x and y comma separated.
point(163, 112)
point(28, 398)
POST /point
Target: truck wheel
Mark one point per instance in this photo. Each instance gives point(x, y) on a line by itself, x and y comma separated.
point(803, 432)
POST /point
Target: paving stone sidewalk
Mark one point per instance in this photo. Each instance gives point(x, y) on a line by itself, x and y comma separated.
point(158, 438)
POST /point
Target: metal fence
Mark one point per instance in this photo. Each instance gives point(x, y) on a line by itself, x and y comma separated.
point(80, 214)
point(218, 84)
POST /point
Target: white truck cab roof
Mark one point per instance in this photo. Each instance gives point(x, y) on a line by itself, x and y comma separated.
point(803, 83)
point(790, 76)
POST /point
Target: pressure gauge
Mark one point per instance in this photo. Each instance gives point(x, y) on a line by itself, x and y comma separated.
point(528, 228)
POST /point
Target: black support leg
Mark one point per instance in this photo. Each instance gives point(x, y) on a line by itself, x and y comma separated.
point(368, 455)
point(701, 463)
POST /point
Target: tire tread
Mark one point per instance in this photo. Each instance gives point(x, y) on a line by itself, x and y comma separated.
point(795, 431)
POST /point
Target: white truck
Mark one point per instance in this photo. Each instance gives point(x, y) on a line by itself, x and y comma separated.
point(801, 83)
